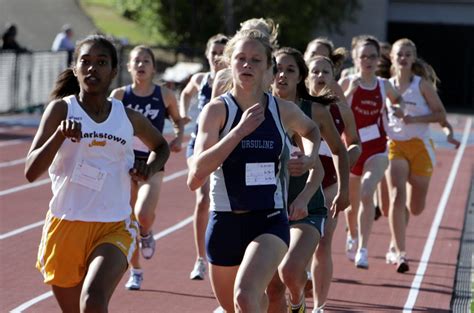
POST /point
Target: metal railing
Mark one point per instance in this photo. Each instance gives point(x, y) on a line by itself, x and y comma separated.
point(26, 79)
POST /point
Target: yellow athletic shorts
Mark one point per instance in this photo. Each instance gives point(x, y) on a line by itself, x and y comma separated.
point(419, 154)
point(66, 245)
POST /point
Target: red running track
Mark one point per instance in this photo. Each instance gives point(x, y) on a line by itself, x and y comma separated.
point(167, 288)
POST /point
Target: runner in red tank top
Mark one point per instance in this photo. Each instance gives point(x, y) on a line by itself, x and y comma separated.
point(366, 95)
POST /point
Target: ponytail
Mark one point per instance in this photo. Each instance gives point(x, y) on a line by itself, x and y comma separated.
point(426, 71)
point(66, 84)
point(324, 97)
point(338, 56)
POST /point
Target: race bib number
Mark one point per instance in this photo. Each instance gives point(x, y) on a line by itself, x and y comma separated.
point(260, 174)
point(369, 133)
point(88, 176)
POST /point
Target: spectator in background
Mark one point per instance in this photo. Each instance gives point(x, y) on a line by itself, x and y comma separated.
point(63, 42)
point(9, 39)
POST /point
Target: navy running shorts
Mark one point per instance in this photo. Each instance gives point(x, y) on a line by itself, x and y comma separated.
point(228, 234)
point(318, 221)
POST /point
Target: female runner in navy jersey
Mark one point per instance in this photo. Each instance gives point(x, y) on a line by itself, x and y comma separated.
point(156, 103)
point(241, 144)
point(201, 84)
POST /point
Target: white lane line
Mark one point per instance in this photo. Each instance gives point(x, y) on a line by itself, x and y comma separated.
point(12, 142)
point(20, 230)
point(175, 175)
point(173, 228)
point(25, 186)
point(425, 257)
point(37, 224)
point(33, 301)
point(160, 235)
point(12, 163)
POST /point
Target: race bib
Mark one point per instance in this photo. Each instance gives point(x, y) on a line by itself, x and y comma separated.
point(88, 176)
point(260, 174)
point(369, 133)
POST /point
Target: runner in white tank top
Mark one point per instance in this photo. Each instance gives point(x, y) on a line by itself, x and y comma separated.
point(86, 141)
point(411, 152)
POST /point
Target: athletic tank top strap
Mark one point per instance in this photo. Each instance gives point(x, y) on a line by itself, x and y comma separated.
point(205, 91)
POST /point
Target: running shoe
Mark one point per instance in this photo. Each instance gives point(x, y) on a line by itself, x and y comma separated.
point(147, 245)
point(402, 263)
point(351, 248)
point(219, 309)
point(319, 309)
point(199, 270)
point(391, 256)
point(362, 259)
point(135, 281)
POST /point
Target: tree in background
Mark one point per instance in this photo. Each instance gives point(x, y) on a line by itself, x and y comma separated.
point(188, 23)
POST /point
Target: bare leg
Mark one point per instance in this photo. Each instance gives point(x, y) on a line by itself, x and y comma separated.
point(277, 295)
point(352, 213)
point(322, 266)
point(68, 298)
point(146, 197)
point(374, 170)
point(304, 239)
point(417, 190)
point(398, 172)
point(107, 264)
point(201, 216)
point(222, 282)
point(259, 265)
